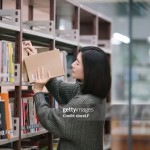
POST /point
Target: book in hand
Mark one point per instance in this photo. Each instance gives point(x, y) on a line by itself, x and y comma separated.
point(49, 61)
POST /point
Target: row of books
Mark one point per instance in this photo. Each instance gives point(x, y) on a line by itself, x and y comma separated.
point(8, 67)
point(6, 121)
point(29, 119)
point(7, 60)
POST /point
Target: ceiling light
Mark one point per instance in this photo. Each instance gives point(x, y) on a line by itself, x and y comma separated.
point(121, 38)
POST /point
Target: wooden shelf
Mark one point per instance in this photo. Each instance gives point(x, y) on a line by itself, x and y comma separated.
point(39, 34)
point(6, 141)
point(73, 2)
point(9, 83)
point(29, 135)
point(69, 42)
point(26, 84)
point(9, 27)
point(83, 44)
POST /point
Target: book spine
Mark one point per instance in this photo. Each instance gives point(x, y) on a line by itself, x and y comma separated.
point(8, 61)
point(4, 61)
point(11, 63)
point(5, 97)
point(32, 115)
point(26, 115)
point(3, 120)
point(11, 121)
point(22, 116)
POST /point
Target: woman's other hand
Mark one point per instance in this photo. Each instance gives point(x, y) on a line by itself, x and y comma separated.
point(27, 45)
point(40, 80)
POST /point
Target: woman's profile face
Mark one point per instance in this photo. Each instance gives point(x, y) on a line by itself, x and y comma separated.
point(77, 68)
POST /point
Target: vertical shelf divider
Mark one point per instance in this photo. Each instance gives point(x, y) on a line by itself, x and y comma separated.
point(52, 11)
point(17, 144)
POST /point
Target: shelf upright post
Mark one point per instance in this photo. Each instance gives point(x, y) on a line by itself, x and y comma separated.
point(30, 13)
point(30, 18)
point(18, 59)
point(50, 136)
point(95, 27)
point(52, 12)
point(75, 19)
point(76, 26)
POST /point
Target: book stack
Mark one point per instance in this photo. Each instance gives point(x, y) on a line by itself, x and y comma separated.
point(6, 117)
point(29, 119)
point(7, 60)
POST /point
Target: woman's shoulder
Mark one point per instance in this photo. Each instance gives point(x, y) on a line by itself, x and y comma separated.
point(88, 99)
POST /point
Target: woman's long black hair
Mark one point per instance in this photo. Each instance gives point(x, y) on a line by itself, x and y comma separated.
point(97, 76)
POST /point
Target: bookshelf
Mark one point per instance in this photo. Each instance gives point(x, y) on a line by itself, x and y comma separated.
point(88, 27)
point(104, 34)
point(66, 25)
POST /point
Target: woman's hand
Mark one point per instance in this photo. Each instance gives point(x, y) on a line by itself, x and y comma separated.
point(27, 45)
point(40, 80)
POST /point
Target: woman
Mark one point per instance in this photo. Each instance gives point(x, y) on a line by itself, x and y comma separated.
point(79, 120)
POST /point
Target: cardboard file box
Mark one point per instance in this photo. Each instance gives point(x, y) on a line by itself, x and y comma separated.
point(50, 61)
